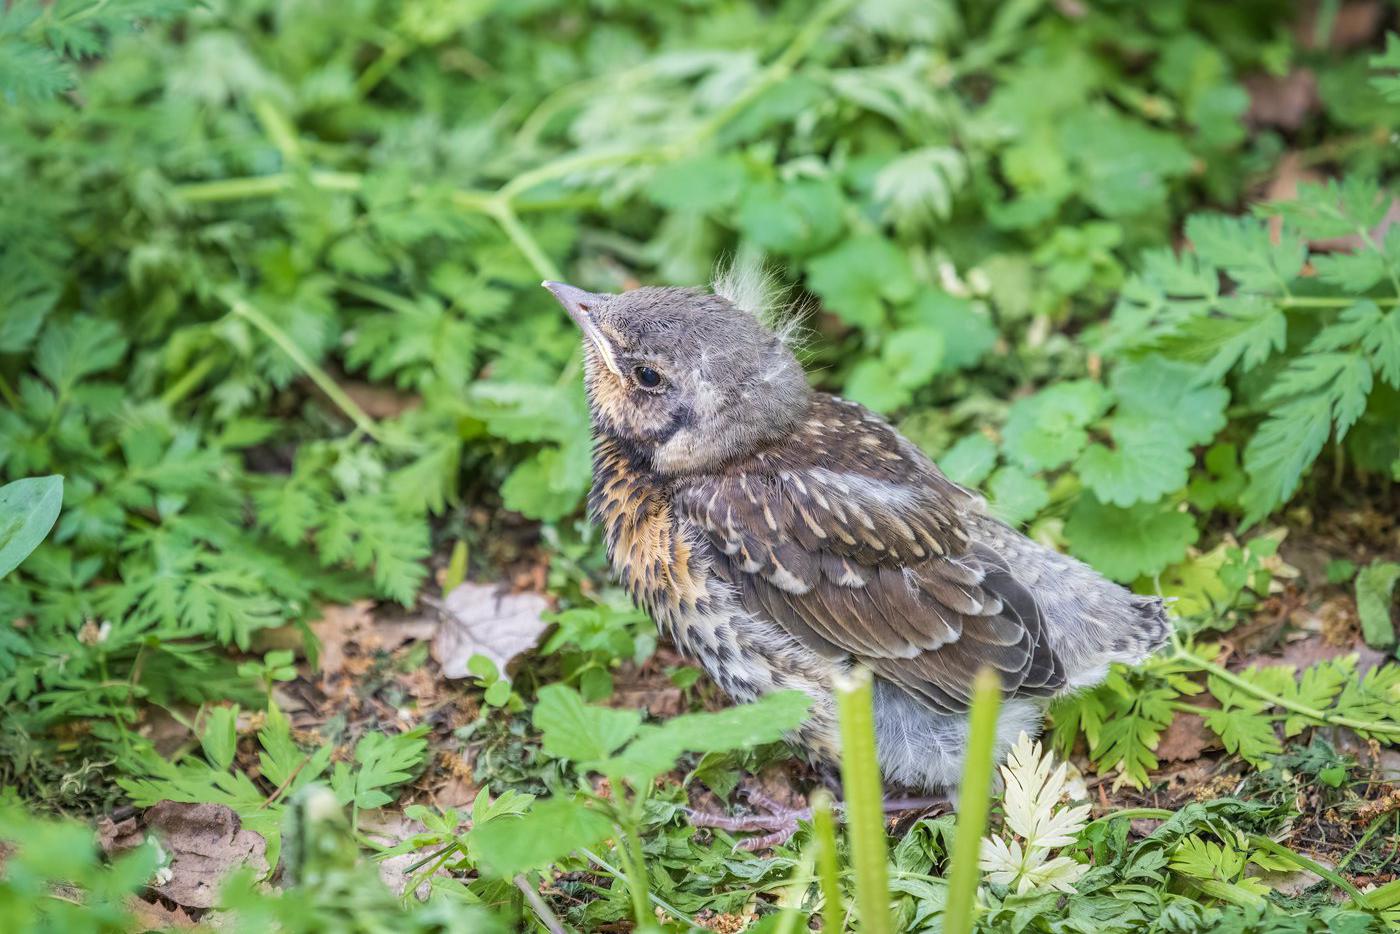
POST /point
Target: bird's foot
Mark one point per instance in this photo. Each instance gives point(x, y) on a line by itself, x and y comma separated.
point(778, 822)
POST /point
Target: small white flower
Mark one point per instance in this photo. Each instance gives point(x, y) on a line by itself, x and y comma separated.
point(1037, 822)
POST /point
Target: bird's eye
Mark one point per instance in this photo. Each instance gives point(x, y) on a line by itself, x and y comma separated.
point(646, 377)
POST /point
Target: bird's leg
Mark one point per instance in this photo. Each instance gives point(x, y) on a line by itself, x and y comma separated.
point(780, 821)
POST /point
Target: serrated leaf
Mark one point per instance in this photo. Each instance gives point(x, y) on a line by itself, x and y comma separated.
point(700, 183)
point(1128, 543)
point(656, 749)
point(550, 830)
point(1243, 247)
point(1285, 445)
point(797, 217)
point(1145, 463)
point(580, 732)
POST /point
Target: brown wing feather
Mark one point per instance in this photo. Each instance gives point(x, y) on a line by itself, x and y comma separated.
point(852, 540)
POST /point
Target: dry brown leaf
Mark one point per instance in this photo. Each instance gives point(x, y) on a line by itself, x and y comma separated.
point(1185, 739)
point(379, 401)
point(205, 842)
point(1284, 101)
point(338, 627)
point(478, 619)
point(153, 916)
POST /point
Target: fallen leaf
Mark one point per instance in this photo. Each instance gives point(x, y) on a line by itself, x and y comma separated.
point(478, 619)
point(661, 703)
point(358, 625)
point(205, 842)
point(153, 916)
point(1185, 739)
point(338, 627)
point(1284, 101)
point(379, 401)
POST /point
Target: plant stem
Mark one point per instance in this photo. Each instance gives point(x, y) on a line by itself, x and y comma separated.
point(1366, 726)
point(828, 870)
point(1323, 301)
point(308, 366)
point(655, 899)
point(539, 905)
point(1137, 814)
point(1302, 862)
point(974, 801)
point(865, 812)
point(261, 186)
point(510, 223)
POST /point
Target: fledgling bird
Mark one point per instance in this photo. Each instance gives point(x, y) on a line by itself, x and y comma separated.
point(780, 536)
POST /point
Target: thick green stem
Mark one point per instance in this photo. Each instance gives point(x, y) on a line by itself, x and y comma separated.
point(974, 802)
point(828, 870)
point(865, 811)
point(308, 366)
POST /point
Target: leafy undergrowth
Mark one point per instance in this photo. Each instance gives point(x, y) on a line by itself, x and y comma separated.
point(269, 304)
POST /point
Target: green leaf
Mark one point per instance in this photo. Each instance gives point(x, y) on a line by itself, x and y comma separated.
point(220, 737)
point(744, 726)
point(1283, 447)
point(1128, 543)
point(1243, 247)
point(967, 331)
point(1046, 430)
point(577, 731)
point(1166, 392)
point(1016, 496)
point(970, 460)
point(700, 183)
point(1375, 587)
point(796, 217)
point(1147, 461)
point(547, 832)
point(382, 761)
point(28, 510)
point(858, 277)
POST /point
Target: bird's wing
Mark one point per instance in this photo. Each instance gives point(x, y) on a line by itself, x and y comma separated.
point(852, 541)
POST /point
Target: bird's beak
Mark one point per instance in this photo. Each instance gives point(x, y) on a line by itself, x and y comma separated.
point(580, 304)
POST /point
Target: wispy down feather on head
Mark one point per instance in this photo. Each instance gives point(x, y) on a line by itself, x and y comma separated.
point(748, 285)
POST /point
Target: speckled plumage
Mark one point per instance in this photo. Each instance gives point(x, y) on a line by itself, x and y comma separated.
point(779, 536)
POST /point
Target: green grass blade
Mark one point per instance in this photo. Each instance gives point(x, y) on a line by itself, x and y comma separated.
point(828, 870)
point(865, 807)
point(974, 800)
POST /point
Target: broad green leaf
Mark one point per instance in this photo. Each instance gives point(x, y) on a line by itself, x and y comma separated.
point(798, 217)
point(1128, 543)
point(967, 331)
point(1168, 394)
point(744, 726)
point(1015, 495)
point(970, 460)
point(859, 278)
point(1046, 430)
point(700, 183)
point(28, 509)
point(547, 832)
point(1375, 587)
point(1147, 461)
point(577, 731)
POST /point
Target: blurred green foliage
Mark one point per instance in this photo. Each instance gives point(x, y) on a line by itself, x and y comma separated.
point(269, 303)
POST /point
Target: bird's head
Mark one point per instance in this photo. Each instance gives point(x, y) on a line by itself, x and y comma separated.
point(684, 378)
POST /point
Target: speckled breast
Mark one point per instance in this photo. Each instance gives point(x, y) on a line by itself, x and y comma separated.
point(666, 572)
